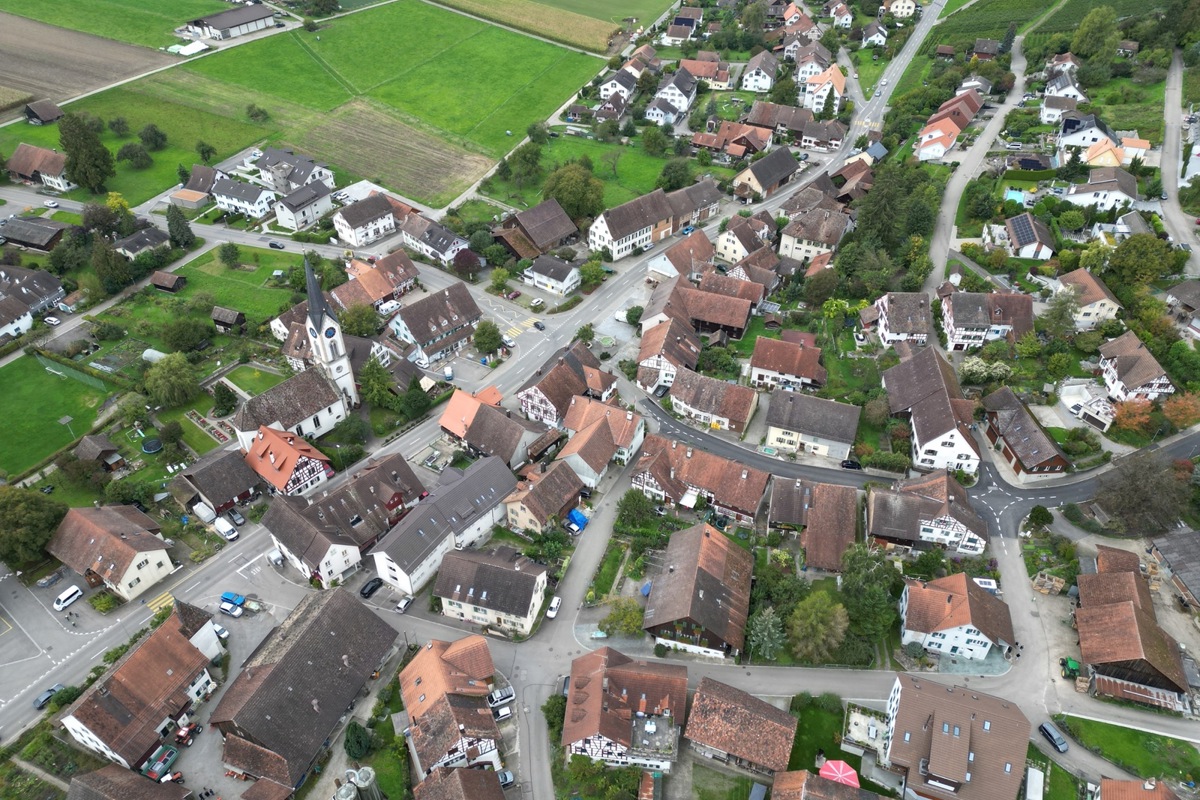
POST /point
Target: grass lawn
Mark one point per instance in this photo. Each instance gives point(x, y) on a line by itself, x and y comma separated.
point(1191, 86)
point(254, 380)
point(744, 347)
point(1146, 755)
point(846, 375)
point(606, 575)
point(193, 437)
point(916, 72)
point(636, 173)
point(35, 400)
point(869, 71)
point(246, 290)
point(731, 106)
point(644, 11)
point(479, 211)
point(709, 784)
point(144, 22)
point(821, 730)
point(69, 217)
point(184, 127)
point(1138, 107)
point(572, 26)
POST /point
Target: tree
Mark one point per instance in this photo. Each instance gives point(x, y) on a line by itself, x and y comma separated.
point(869, 588)
point(877, 411)
point(783, 92)
point(633, 315)
point(172, 381)
point(352, 430)
point(487, 337)
point(480, 240)
point(538, 132)
point(624, 617)
point(1058, 320)
point(229, 254)
point(224, 399)
point(135, 154)
point(466, 264)
point(99, 218)
point(586, 333)
point(754, 16)
point(500, 278)
point(119, 127)
point(89, 162)
point(829, 107)
point(153, 137)
point(591, 273)
point(676, 174)
point(634, 510)
point(1009, 35)
point(178, 228)
point(376, 384)
point(577, 190)
point(358, 741)
point(182, 173)
point(1028, 346)
point(817, 628)
point(111, 267)
point(185, 334)
point(323, 8)
point(27, 521)
point(1040, 516)
point(170, 433)
point(1133, 415)
point(654, 141)
point(1182, 409)
point(1071, 220)
point(977, 371)
point(360, 319)
point(205, 150)
point(1140, 260)
point(1096, 34)
point(256, 113)
point(1144, 492)
point(526, 164)
point(415, 401)
point(765, 636)
point(1058, 365)
point(820, 287)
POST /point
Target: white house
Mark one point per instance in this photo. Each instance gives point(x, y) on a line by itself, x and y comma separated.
point(285, 171)
point(458, 513)
point(678, 89)
point(936, 139)
point(776, 364)
point(972, 318)
point(306, 404)
point(1082, 131)
point(552, 274)
point(926, 389)
point(1053, 108)
point(362, 222)
point(926, 511)
point(801, 423)
point(243, 198)
point(818, 88)
point(904, 317)
point(126, 726)
point(665, 349)
point(639, 223)
point(1028, 237)
point(39, 165)
point(304, 206)
point(1097, 304)
point(498, 589)
point(954, 616)
point(901, 9)
point(874, 35)
point(431, 239)
point(842, 17)
point(117, 546)
point(439, 324)
point(814, 232)
point(759, 75)
point(1106, 188)
point(1131, 372)
point(1063, 85)
point(620, 83)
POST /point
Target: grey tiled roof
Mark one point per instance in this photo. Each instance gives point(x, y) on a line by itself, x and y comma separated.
point(501, 580)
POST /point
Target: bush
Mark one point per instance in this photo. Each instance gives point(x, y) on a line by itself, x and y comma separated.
point(660, 650)
point(914, 650)
point(358, 741)
point(830, 702)
point(104, 602)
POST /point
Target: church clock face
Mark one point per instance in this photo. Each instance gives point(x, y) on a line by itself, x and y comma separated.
point(339, 369)
point(330, 333)
point(312, 331)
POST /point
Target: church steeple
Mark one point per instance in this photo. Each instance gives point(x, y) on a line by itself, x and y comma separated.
point(325, 339)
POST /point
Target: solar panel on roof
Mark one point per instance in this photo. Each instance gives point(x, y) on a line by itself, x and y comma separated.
point(1023, 228)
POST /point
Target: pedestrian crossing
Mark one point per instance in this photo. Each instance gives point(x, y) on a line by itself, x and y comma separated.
point(164, 600)
point(520, 327)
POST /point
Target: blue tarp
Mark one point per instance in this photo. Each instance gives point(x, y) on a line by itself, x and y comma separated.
point(646, 589)
point(578, 518)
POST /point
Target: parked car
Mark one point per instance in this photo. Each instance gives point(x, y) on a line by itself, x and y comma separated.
point(688, 231)
point(661, 391)
point(555, 605)
point(506, 776)
point(275, 245)
point(851, 464)
point(226, 529)
point(47, 490)
point(1054, 737)
point(236, 517)
point(230, 610)
point(501, 697)
point(585, 493)
point(573, 528)
point(53, 322)
point(222, 631)
point(513, 295)
point(404, 603)
point(370, 587)
point(502, 714)
point(50, 204)
point(234, 598)
point(660, 511)
point(43, 699)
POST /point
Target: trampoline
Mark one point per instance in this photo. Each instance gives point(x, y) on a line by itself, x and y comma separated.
point(151, 446)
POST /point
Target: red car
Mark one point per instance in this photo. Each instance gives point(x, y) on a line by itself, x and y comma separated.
point(515, 294)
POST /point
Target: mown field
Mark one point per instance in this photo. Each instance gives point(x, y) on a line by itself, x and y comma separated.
point(426, 125)
point(1072, 13)
point(245, 289)
point(35, 400)
point(644, 11)
point(144, 22)
point(544, 19)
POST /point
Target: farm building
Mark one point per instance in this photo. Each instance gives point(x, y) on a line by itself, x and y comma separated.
point(167, 281)
point(42, 112)
point(236, 22)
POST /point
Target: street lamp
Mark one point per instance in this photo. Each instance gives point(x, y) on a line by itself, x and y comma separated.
point(67, 421)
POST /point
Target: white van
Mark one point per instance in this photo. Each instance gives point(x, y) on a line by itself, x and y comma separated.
point(389, 308)
point(67, 597)
point(226, 529)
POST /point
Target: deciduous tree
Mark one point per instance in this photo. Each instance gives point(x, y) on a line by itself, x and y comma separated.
point(633, 315)
point(119, 126)
point(1133, 415)
point(466, 264)
point(153, 137)
point(676, 174)
point(186, 334)
point(586, 333)
point(487, 337)
point(654, 141)
point(1140, 260)
point(1182, 409)
point(500, 278)
point(577, 190)
point(376, 383)
point(1058, 319)
point(817, 628)
point(360, 319)
point(135, 154)
point(591, 273)
point(634, 510)
point(205, 150)
point(1096, 34)
point(820, 287)
point(27, 521)
point(1143, 491)
point(172, 381)
point(229, 254)
point(624, 618)
point(526, 164)
point(89, 162)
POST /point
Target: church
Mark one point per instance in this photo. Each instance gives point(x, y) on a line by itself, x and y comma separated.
point(312, 402)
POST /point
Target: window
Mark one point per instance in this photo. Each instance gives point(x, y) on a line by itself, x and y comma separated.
point(987, 724)
point(1007, 767)
point(907, 736)
point(143, 563)
point(421, 699)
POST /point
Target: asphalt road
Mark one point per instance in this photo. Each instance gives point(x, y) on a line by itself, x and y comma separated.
point(1179, 225)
